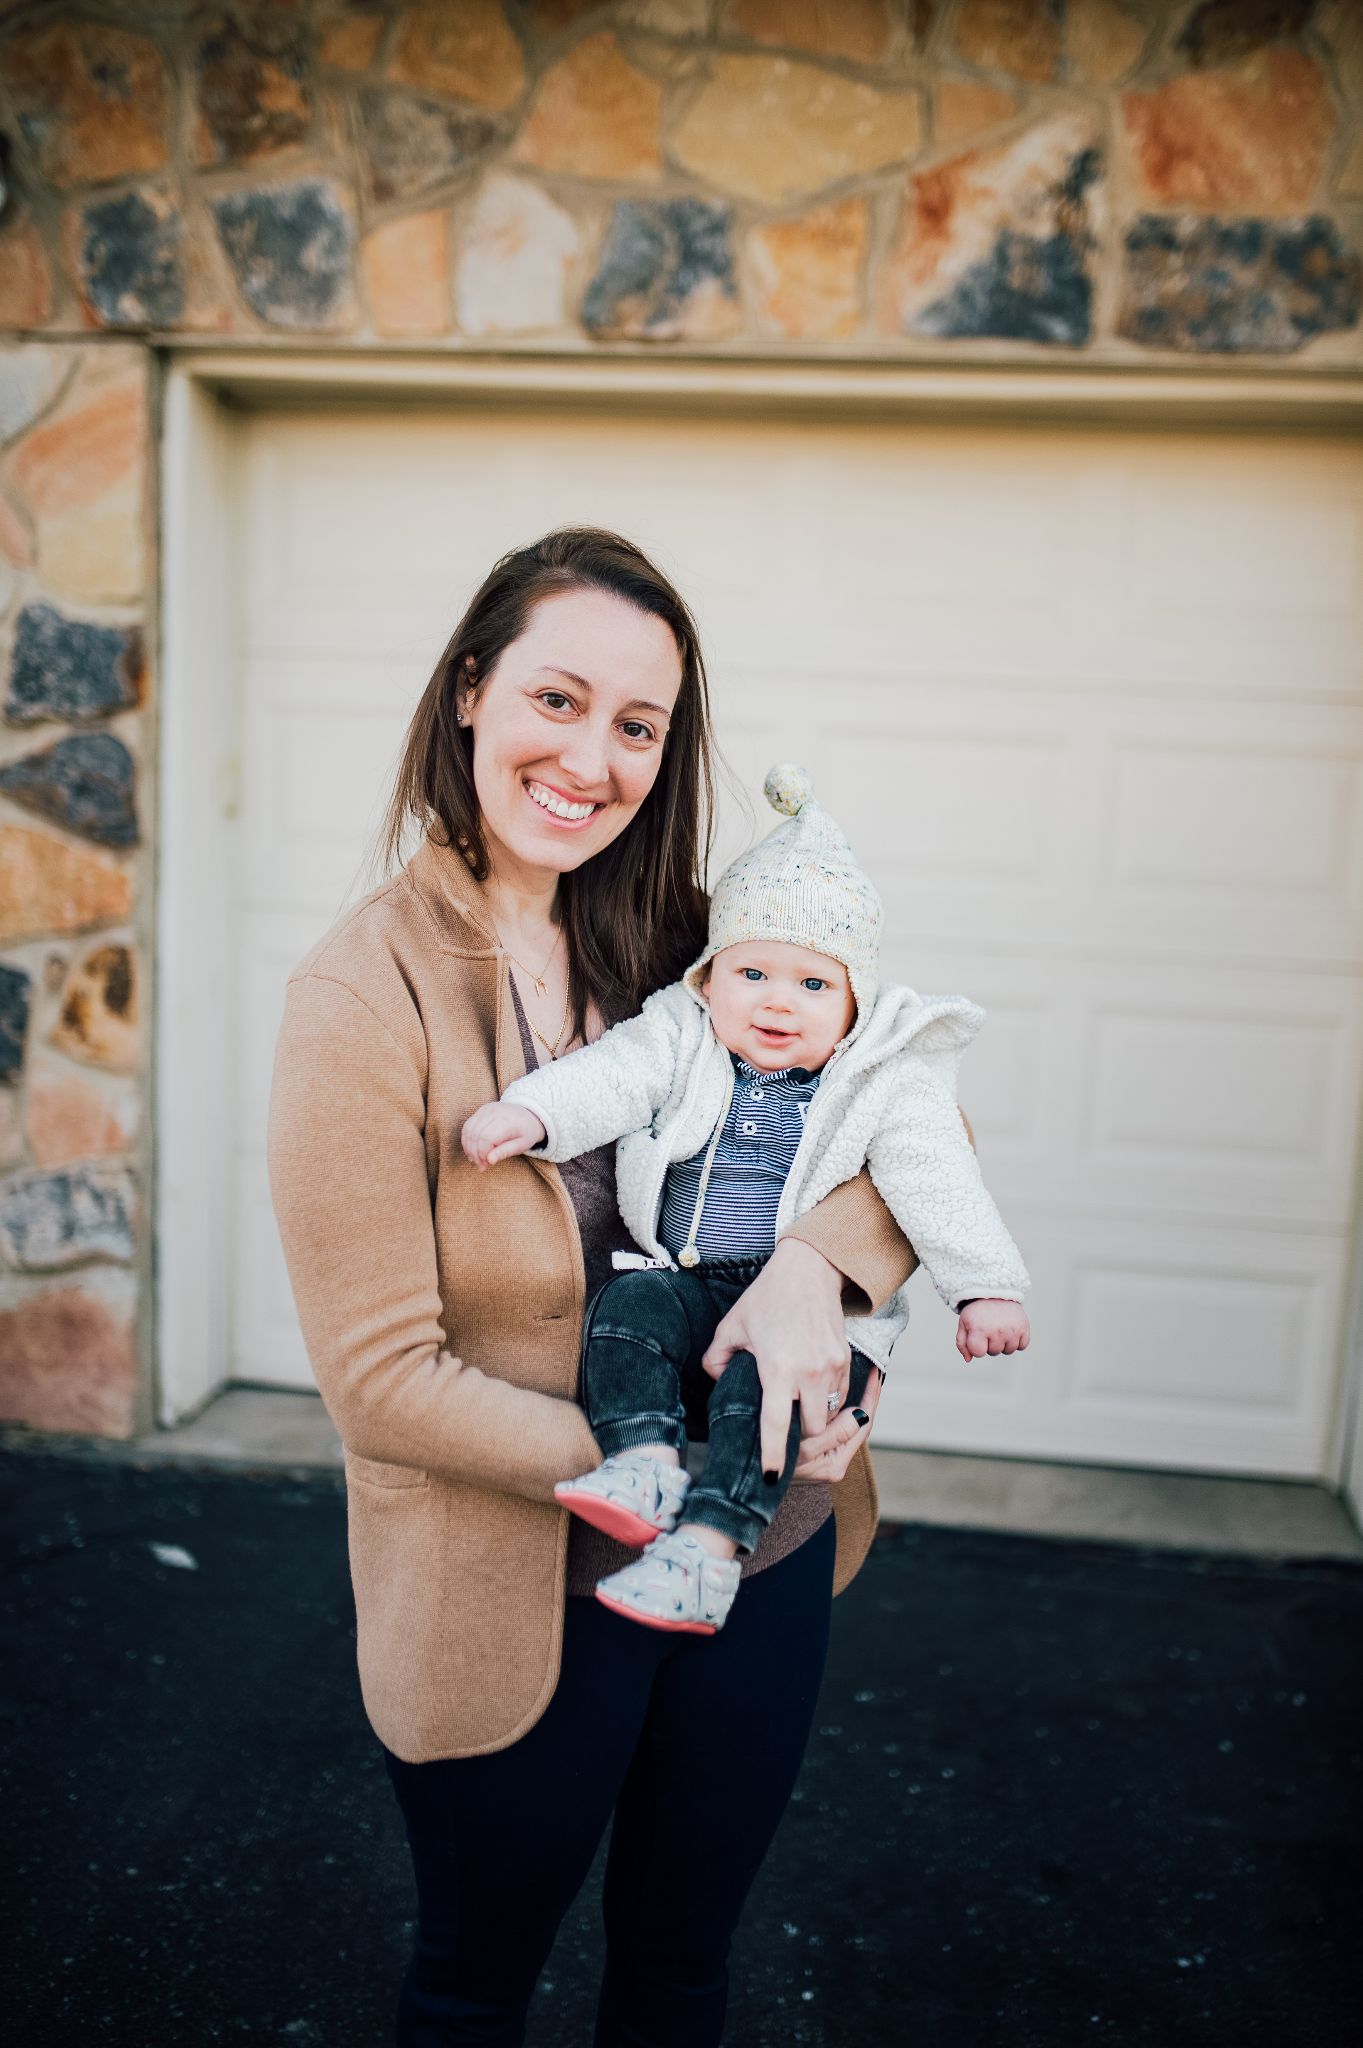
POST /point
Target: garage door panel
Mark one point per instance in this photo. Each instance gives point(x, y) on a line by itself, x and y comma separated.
point(1166, 1346)
point(1220, 1096)
point(326, 801)
point(1090, 704)
point(1093, 824)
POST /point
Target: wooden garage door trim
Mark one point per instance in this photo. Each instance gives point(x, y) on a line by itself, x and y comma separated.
point(203, 386)
point(1328, 400)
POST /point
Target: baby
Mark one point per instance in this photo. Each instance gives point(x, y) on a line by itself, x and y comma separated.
point(741, 1096)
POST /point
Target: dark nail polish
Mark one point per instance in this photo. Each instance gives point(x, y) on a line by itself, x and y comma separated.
point(862, 1417)
point(771, 1477)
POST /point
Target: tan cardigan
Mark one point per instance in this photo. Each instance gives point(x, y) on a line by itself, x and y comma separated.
point(397, 1025)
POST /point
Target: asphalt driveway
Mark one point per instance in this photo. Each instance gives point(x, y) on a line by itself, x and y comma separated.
point(1060, 1793)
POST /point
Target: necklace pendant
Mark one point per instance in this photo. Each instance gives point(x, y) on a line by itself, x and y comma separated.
point(541, 988)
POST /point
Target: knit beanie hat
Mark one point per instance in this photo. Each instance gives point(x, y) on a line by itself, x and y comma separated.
point(799, 885)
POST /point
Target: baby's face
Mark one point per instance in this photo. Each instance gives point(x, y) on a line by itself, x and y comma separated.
point(777, 1005)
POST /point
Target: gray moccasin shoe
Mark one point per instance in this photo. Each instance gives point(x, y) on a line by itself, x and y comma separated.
point(633, 1497)
point(676, 1584)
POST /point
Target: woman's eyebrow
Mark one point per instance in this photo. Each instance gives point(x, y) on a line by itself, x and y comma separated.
point(551, 668)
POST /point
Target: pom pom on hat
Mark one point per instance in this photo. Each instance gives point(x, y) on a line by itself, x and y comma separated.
point(787, 789)
point(800, 886)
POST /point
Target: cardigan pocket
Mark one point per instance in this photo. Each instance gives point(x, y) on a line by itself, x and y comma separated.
point(389, 1476)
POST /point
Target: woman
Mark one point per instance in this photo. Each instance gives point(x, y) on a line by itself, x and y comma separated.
point(559, 765)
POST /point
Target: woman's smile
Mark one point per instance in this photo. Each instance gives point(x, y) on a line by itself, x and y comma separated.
point(559, 805)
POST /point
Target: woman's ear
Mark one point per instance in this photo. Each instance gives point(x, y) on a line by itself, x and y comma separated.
point(464, 692)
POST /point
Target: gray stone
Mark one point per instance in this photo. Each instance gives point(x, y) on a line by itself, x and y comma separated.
point(658, 255)
point(411, 145)
point(86, 783)
point(64, 668)
point(1030, 287)
point(50, 1220)
point(132, 261)
point(16, 990)
point(1262, 287)
point(290, 247)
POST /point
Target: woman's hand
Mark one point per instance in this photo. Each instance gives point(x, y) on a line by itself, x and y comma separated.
point(499, 1130)
point(828, 1455)
point(791, 1320)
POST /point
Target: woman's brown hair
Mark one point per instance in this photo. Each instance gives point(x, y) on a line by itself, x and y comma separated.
point(634, 916)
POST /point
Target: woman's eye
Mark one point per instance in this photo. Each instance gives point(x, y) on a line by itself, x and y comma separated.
point(635, 729)
point(556, 700)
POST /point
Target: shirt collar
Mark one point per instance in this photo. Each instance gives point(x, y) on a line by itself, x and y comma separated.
point(797, 1076)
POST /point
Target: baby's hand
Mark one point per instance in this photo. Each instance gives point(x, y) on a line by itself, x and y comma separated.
point(499, 1130)
point(992, 1327)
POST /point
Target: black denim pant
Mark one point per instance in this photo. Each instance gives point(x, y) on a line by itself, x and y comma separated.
point(643, 1383)
point(693, 1743)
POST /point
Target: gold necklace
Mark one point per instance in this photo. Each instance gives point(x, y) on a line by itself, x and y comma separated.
point(541, 986)
point(552, 1050)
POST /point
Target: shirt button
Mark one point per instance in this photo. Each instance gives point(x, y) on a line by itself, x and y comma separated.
point(749, 1129)
point(757, 1095)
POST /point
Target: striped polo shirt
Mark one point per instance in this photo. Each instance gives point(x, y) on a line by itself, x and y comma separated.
point(752, 1160)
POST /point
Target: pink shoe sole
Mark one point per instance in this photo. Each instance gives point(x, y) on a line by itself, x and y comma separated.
point(621, 1523)
point(676, 1628)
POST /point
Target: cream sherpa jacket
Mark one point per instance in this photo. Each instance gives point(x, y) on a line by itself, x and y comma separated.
point(659, 1083)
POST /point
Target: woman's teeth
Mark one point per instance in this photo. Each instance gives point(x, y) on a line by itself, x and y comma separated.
point(559, 805)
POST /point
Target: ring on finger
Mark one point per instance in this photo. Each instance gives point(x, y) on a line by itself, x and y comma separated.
point(834, 1403)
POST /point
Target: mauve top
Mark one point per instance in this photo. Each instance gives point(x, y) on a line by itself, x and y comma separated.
point(590, 1181)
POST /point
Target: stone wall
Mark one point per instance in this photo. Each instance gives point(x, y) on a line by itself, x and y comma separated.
point(1150, 183)
point(1135, 180)
point(74, 577)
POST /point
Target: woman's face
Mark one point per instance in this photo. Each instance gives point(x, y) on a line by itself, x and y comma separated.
point(568, 729)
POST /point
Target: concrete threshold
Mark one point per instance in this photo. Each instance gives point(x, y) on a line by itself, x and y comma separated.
point(263, 1430)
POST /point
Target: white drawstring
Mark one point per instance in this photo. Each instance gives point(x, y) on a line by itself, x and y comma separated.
point(688, 1255)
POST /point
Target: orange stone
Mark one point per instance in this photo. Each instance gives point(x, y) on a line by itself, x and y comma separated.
point(25, 280)
point(66, 1116)
point(407, 274)
point(95, 554)
point(68, 1361)
point(94, 97)
point(1254, 134)
point(94, 442)
point(808, 272)
point(15, 544)
point(961, 108)
point(858, 29)
point(98, 1011)
point(1102, 40)
point(1021, 37)
point(776, 129)
point(48, 886)
point(594, 116)
point(350, 45)
point(459, 46)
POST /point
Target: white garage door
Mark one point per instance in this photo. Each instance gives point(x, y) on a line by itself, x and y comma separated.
point(1090, 705)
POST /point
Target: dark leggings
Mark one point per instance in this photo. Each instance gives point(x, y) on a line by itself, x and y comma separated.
point(693, 1742)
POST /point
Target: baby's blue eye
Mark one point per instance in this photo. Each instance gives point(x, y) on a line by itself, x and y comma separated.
point(813, 981)
point(752, 974)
